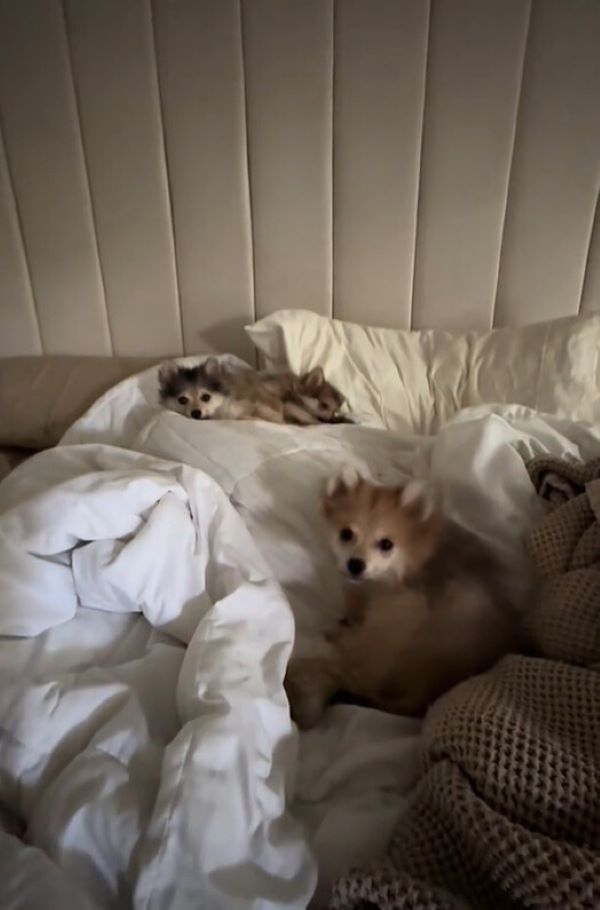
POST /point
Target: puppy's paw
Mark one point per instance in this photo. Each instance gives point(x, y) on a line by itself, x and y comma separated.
point(307, 692)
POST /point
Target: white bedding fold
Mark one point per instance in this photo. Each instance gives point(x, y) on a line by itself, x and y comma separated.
point(161, 780)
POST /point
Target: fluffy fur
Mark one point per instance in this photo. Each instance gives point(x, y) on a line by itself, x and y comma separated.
point(426, 604)
point(210, 390)
point(306, 399)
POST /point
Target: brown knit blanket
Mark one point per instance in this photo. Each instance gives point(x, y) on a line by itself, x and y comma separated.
point(507, 812)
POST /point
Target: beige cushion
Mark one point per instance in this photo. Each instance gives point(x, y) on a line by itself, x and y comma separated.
point(421, 378)
point(40, 397)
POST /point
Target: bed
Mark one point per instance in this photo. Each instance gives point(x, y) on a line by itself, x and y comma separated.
point(361, 187)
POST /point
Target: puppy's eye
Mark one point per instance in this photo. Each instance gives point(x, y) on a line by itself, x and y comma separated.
point(183, 399)
point(346, 535)
point(385, 544)
point(323, 405)
point(205, 397)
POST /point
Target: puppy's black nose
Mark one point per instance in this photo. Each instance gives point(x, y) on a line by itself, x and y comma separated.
point(197, 415)
point(356, 567)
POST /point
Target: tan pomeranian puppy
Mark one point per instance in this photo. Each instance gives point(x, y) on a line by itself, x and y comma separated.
point(213, 391)
point(426, 604)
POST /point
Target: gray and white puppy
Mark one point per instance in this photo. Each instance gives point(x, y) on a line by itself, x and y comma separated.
point(212, 390)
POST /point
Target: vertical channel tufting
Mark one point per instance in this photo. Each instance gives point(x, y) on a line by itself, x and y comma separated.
point(287, 55)
point(87, 174)
point(171, 170)
point(198, 49)
point(48, 174)
point(554, 178)
point(473, 74)
point(248, 199)
point(379, 84)
point(112, 47)
point(589, 298)
point(512, 155)
point(166, 176)
point(333, 200)
point(420, 173)
point(328, 26)
point(26, 339)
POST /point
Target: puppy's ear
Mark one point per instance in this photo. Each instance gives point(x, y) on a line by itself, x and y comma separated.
point(417, 499)
point(214, 374)
point(346, 479)
point(166, 372)
point(211, 367)
point(313, 380)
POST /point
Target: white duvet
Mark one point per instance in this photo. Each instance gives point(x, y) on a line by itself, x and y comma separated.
point(151, 569)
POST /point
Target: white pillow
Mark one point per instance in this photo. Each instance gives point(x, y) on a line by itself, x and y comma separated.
point(421, 378)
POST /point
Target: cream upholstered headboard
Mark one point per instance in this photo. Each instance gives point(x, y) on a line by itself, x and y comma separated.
point(173, 169)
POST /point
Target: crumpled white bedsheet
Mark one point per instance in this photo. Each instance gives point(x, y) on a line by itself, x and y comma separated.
point(153, 757)
point(151, 760)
